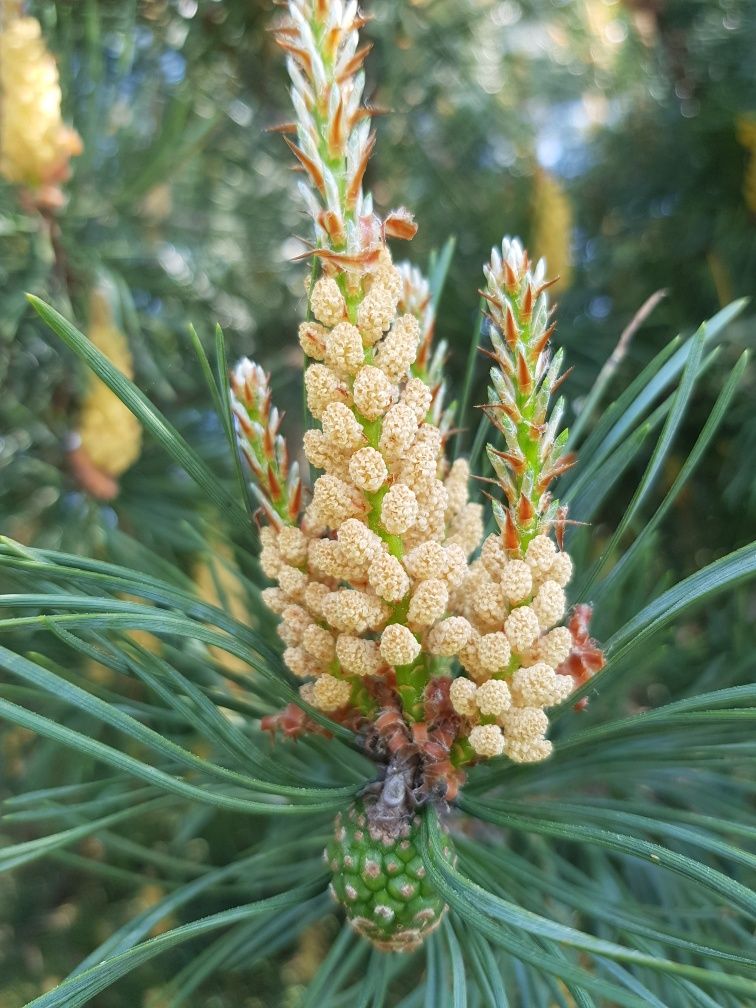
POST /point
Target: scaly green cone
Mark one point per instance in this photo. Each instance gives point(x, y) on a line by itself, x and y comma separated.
point(380, 879)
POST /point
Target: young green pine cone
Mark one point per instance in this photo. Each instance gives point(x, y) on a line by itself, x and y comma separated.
point(379, 877)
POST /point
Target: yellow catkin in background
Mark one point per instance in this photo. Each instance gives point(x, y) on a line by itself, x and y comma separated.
point(552, 227)
point(35, 143)
point(311, 949)
point(746, 125)
point(145, 899)
point(721, 278)
point(110, 436)
point(209, 577)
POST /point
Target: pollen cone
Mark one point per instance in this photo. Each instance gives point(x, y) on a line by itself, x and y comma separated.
point(110, 438)
point(747, 137)
point(218, 584)
point(35, 143)
point(552, 228)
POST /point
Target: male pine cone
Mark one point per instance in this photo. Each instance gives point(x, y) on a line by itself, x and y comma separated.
point(35, 143)
point(109, 436)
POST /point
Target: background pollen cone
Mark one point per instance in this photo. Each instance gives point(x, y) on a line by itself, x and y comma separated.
point(552, 228)
point(35, 144)
point(109, 436)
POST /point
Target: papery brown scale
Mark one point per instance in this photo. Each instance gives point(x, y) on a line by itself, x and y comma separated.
point(445, 734)
point(333, 226)
point(272, 517)
point(586, 657)
point(398, 743)
point(268, 442)
point(331, 42)
point(444, 773)
point(511, 329)
point(381, 688)
point(287, 127)
point(353, 65)
point(508, 487)
point(298, 53)
point(527, 303)
point(545, 448)
point(559, 526)
point(542, 363)
point(511, 279)
point(454, 781)
point(295, 501)
point(580, 622)
point(245, 423)
point(435, 754)
point(523, 374)
point(506, 366)
point(292, 722)
point(543, 503)
point(309, 166)
point(273, 485)
point(545, 286)
point(525, 509)
point(336, 130)
point(400, 224)
point(254, 465)
point(536, 429)
point(420, 733)
point(492, 299)
point(351, 718)
point(492, 482)
point(389, 719)
point(509, 409)
point(509, 535)
point(366, 112)
point(323, 101)
point(561, 379)
point(350, 263)
point(442, 737)
point(543, 339)
point(500, 358)
point(437, 702)
point(356, 180)
point(423, 354)
point(370, 230)
point(517, 462)
point(451, 432)
point(285, 31)
point(490, 354)
point(561, 467)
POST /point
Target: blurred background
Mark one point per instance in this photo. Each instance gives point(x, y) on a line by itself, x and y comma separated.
point(616, 137)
